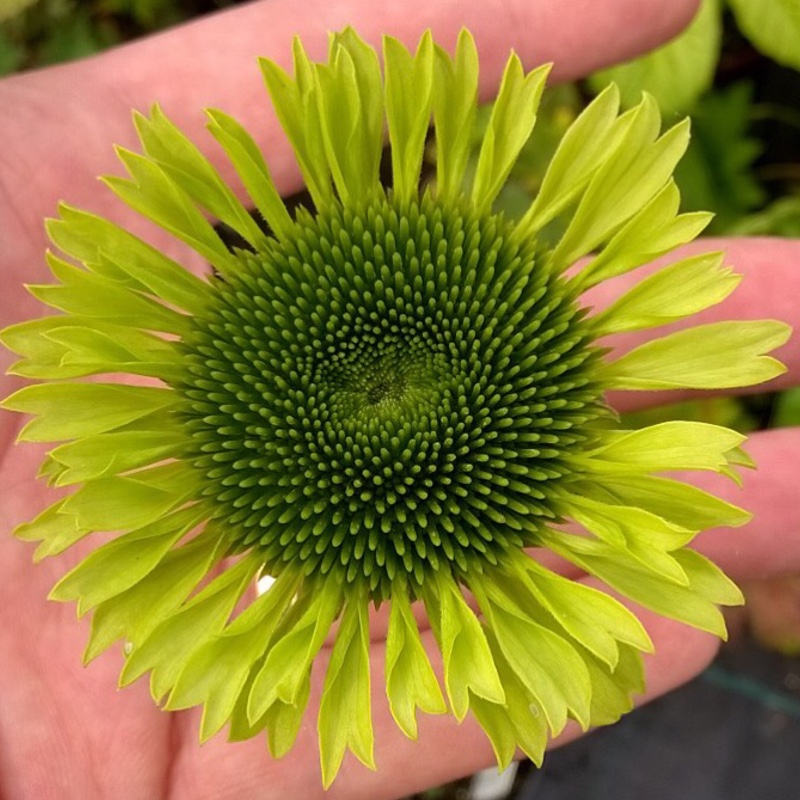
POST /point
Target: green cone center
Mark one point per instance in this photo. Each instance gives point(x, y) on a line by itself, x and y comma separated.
point(393, 391)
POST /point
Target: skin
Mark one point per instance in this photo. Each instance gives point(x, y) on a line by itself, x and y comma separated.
point(65, 731)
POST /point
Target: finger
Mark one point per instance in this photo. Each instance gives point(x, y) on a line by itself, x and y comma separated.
point(769, 545)
point(66, 119)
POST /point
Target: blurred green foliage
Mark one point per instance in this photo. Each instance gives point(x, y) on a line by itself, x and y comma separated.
point(35, 33)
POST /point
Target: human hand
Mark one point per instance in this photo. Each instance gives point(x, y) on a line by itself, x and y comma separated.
point(65, 733)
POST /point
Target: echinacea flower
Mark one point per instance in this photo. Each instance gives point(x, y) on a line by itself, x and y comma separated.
point(397, 396)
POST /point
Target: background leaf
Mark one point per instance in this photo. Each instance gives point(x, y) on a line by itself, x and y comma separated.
point(773, 26)
point(677, 73)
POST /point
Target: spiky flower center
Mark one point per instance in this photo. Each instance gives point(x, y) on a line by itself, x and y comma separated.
point(394, 389)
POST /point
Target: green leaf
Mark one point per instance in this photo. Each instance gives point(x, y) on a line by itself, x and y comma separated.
point(626, 181)
point(674, 292)
point(189, 169)
point(409, 101)
point(216, 674)
point(121, 563)
point(345, 718)
point(168, 648)
point(11, 8)
point(510, 126)
point(119, 503)
point(719, 173)
point(155, 195)
point(251, 167)
point(720, 355)
point(161, 591)
point(410, 681)
point(468, 664)
point(587, 143)
point(290, 658)
point(75, 410)
point(455, 98)
point(91, 239)
point(655, 229)
point(773, 27)
point(677, 73)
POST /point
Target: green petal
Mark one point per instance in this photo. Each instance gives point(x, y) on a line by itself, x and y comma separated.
point(494, 719)
point(539, 656)
point(680, 290)
point(455, 99)
point(645, 586)
point(119, 564)
point(596, 621)
point(639, 534)
point(116, 503)
point(161, 591)
point(91, 295)
point(112, 453)
point(94, 240)
point(155, 195)
point(289, 659)
point(55, 531)
point(673, 445)
point(167, 649)
point(410, 681)
point(468, 665)
point(523, 712)
point(588, 142)
point(215, 675)
point(75, 410)
point(295, 104)
point(251, 167)
point(75, 350)
point(624, 183)
point(409, 101)
point(613, 690)
point(721, 355)
point(345, 718)
point(181, 160)
point(510, 125)
point(350, 99)
point(682, 505)
point(654, 230)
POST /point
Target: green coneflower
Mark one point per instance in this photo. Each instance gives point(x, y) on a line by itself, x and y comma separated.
point(394, 397)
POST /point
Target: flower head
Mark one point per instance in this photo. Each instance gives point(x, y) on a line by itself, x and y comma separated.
point(393, 396)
